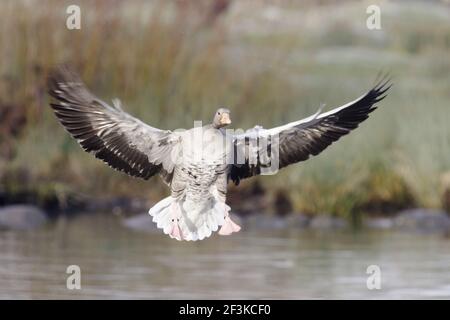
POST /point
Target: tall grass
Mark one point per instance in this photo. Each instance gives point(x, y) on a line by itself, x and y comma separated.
point(269, 63)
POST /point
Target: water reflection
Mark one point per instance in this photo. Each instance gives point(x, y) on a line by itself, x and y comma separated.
point(117, 262)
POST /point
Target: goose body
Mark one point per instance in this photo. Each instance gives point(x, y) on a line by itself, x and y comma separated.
point(198, 187)
point(197, 163)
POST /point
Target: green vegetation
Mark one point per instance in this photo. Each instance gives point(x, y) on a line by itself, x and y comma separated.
point(170, 65)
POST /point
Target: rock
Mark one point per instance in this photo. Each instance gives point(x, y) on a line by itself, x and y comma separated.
point(140, 222)
point(379, 223)
point(327, 222)
point(298, 220)
point(21, 217)
point(263, 221)
point(426, 220)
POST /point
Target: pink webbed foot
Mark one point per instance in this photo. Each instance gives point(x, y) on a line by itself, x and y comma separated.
point(176, 232)
point(228, 227)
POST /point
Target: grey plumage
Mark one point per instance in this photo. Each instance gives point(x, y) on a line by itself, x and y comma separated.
point(196, 163)
point(299, 140)
point(110, 134)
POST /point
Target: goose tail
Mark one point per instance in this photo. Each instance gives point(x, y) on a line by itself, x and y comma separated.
point(192, 220)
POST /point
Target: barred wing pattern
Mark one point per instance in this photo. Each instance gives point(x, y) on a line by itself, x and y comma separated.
point(110, 134)
point(297, 141)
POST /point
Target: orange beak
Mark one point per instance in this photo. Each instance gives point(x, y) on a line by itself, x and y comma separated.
point(225, 119)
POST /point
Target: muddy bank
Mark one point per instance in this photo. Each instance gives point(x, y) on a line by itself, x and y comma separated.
point(73, 204)
point(253, 206)
point(134, 216)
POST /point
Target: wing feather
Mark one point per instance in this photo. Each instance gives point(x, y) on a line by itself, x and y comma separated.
point(297, 141)
point(110, 134)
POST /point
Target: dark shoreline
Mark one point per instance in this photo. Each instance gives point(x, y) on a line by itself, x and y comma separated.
point(35, 211)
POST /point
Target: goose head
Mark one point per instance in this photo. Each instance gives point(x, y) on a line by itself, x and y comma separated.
point(221, 118)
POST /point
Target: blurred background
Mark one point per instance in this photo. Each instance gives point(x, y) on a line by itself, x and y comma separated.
point(379, 196)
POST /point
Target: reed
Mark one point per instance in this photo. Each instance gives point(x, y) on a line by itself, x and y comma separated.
point(172, 64)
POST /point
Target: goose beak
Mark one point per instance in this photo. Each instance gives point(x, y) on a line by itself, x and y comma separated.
point(225, 119)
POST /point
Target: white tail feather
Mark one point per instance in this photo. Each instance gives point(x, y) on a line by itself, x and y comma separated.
point(197, 221)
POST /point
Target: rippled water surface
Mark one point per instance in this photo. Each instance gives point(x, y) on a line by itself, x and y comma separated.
point(117, 262)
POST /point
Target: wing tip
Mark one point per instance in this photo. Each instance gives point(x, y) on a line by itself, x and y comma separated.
point(383, 82)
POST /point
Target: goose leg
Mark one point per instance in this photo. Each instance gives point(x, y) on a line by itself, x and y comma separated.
point(228, 226)
point(175, 219)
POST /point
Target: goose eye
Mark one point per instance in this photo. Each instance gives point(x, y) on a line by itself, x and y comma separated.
point(218, 113)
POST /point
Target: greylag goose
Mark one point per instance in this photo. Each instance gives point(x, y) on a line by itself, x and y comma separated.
point(198, 163)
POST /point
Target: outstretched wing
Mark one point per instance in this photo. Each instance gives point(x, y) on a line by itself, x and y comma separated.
point(112, 135)
point(259, 150)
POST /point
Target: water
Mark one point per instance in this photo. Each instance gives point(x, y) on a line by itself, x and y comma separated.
point(117, 262)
